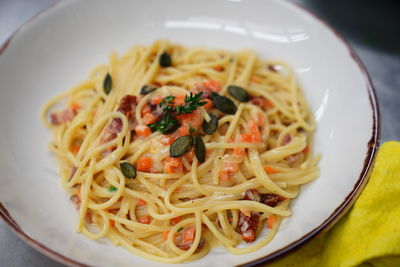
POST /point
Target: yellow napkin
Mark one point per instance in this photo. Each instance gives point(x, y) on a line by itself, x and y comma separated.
point(369, 234)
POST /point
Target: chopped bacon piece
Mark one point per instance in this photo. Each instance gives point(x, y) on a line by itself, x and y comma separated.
point(127, 107)
point(270, 199)
point(60, 117)
point(252, 194)
point(75, 198)
point(248, 226)
point(287, 139)
point(272, 68)
point(248, 222)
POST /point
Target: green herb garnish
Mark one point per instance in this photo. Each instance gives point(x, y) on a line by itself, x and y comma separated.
point(112, 189)
point(192, 102)
point(180, 229)
point(167, 124)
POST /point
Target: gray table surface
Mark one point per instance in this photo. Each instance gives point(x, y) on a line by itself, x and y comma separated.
point(372, 28)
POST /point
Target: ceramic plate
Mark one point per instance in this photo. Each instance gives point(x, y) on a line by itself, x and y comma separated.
point(58, 49)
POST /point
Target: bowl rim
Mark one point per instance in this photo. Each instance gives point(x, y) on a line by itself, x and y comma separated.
point(340, 211)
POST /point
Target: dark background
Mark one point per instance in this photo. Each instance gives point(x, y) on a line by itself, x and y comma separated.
point(371, 26)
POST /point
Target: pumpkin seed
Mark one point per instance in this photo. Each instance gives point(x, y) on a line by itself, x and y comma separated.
point(165, 60)
point(107, 84)
point(147, 89)
point(128, 170)
point(224, 104)
point(199, 148)
point(239, 93)
point(180, 146)
point(171, 127)
point(211, 126)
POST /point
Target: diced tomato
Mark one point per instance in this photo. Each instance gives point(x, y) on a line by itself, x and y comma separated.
point(74, 106)
point(239, 151)
point(156, 99)
point(149, 118)
point(246, 138)
point(172, 165)
point(178, 189)
point(193, 119)
point(179, 100)
point(165, 236)
point(174, 162)
point(140, 202)
point(188, 234)
point(260, 119)
point(261, 102)
point(218, 68)
point(146, 109)
point(209, 104)
point(176, 220)
point(230, 166)
point(268, 169)
point(144, 163)
point(255, 79)
point(268, 104)
point(207, 87)
point(189, 155)
point(113, 211)
point(255, 132)
point(75, 149)
point(213, 85)
point(166, 140)
point(78, 193)
point(142, 130)
point(145, 219)
point(184, 130)
point(224, 176)
point(112, 223)
point(271, 221)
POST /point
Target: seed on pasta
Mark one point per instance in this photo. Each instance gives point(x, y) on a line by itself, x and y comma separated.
point(107, 84)
point(165, 60)
point(199, 148)
point(128, 170)
point(147, 89)
point(180, 146)
point(224, 104)
point(211, 126)
point(239, 93)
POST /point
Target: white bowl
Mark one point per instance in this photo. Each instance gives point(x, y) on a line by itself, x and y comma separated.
point(60, 46)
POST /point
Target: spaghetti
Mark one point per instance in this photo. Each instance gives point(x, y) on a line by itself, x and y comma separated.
point(169, 150)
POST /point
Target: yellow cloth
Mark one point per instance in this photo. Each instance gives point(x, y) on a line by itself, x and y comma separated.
point(369, 234)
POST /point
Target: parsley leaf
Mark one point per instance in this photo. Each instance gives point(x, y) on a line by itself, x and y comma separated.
point(112, 189)
point(192, 102)
point(168, 123)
